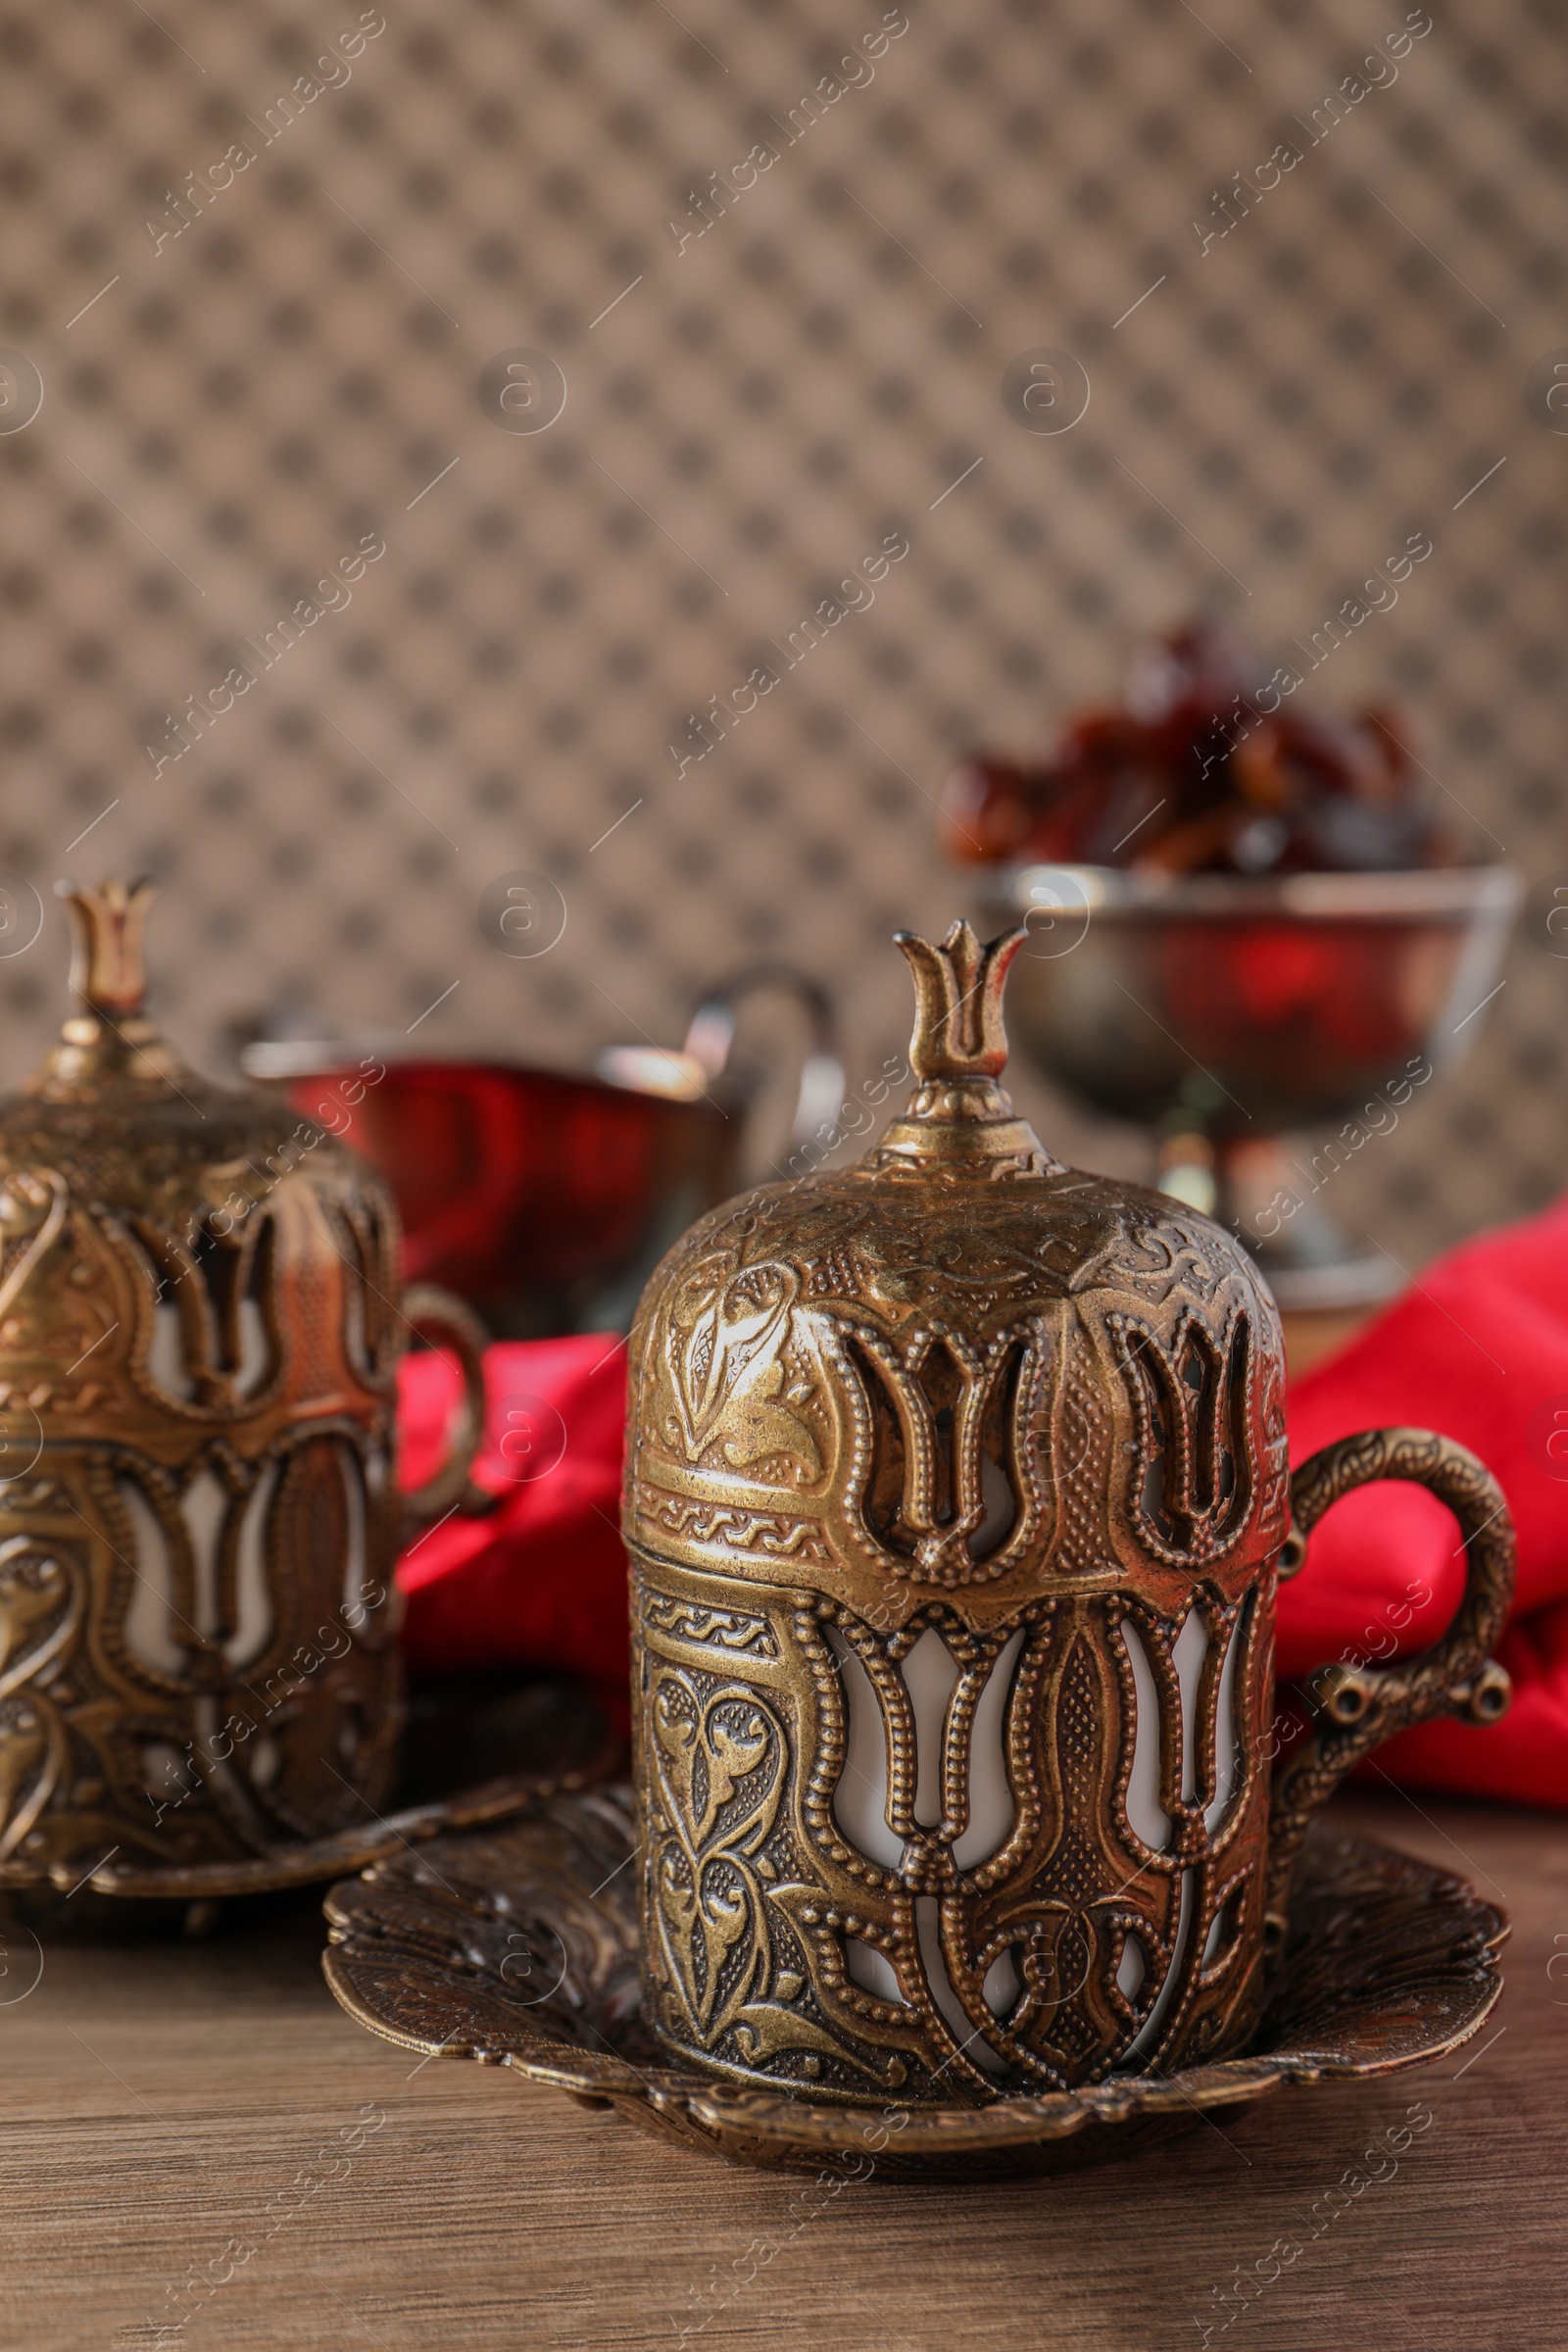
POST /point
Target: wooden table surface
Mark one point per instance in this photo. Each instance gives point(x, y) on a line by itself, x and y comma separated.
point(159, 2100)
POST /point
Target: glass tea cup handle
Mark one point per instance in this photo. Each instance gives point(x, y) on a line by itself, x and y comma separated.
point(820, 1088)
point(1361, 1706)
point(436, 1315)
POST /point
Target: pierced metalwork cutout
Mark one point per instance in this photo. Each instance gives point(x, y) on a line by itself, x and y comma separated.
point(949, 1490)
point(1192, 1490)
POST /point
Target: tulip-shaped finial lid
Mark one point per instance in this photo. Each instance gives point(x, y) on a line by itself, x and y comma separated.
point(108, 931)
point(109, 1036)
point(959, 1030)
point(958, 1120)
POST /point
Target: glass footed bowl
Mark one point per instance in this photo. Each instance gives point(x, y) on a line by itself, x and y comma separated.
point(1225, 1012)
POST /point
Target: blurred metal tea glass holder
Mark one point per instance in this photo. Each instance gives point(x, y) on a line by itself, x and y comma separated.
point(201, 1321)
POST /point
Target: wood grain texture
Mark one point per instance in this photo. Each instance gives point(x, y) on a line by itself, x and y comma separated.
point(159, 2098)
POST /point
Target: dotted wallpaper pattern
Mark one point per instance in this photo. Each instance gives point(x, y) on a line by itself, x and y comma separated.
point(494, 388)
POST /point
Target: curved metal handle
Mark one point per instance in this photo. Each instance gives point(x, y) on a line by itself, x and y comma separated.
point(431, 1311)
point(712, 1035)
point(1363, 1705)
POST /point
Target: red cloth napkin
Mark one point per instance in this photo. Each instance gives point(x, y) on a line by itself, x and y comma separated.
point(1478, 1349)
point(542, 1582)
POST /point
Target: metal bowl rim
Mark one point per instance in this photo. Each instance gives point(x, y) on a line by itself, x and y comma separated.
point(1421, 893)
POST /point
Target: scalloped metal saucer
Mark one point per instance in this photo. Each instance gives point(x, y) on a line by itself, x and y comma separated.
point(517, 1946)
point(477, 1748)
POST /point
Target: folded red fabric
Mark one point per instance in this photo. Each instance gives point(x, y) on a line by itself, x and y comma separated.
point(1478, 1349)
point(542, 1581)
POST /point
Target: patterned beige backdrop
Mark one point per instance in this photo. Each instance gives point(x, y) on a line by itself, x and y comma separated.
point(262, 256)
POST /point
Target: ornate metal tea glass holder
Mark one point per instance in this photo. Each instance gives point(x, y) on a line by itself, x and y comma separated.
point(957, 1502)
point(200, 1326)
